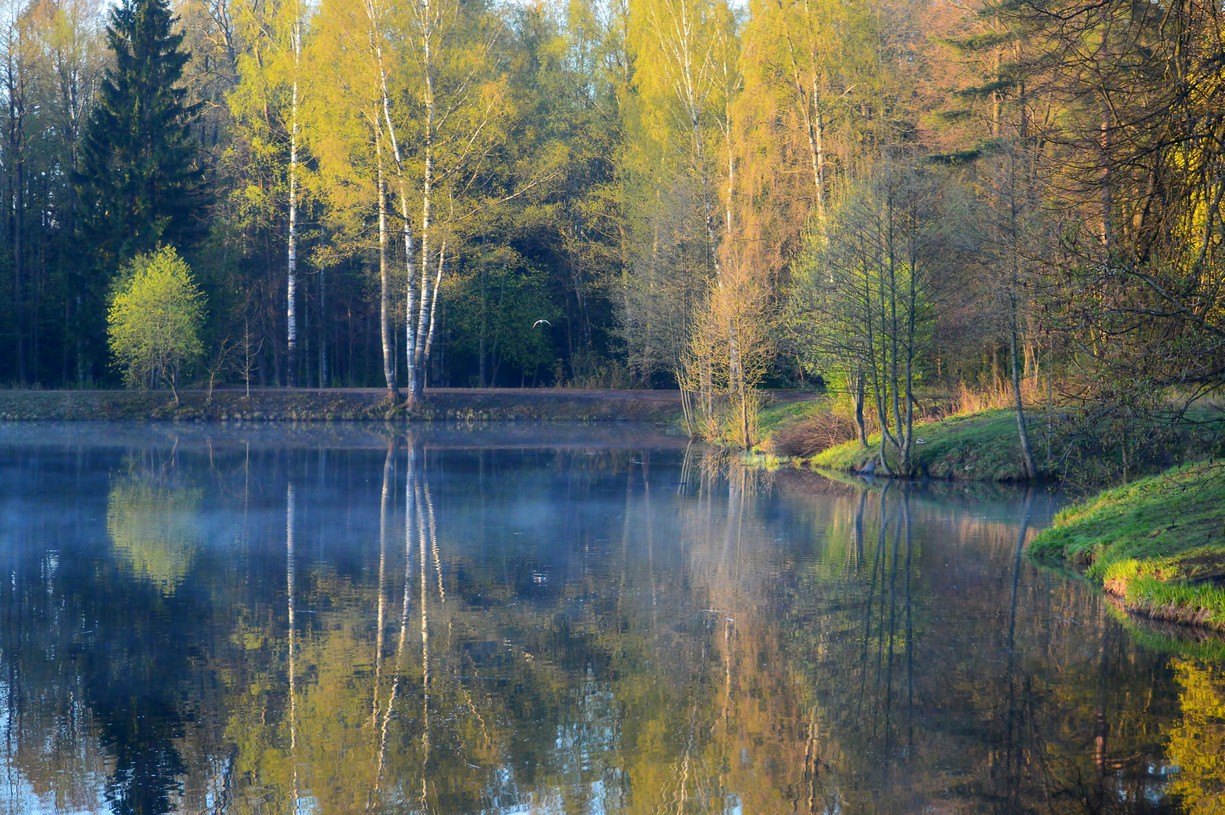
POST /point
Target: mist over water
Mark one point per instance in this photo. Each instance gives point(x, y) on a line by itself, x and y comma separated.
point(554, 619)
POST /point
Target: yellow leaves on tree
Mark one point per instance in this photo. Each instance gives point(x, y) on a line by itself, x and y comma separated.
point(154, 320)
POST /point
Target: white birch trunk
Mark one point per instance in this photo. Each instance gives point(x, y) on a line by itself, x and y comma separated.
point(384, 284)
point(291, 308)
point(416, 386)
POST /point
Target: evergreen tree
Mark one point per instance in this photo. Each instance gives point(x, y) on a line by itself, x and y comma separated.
point(141, 182)
point(140, 164)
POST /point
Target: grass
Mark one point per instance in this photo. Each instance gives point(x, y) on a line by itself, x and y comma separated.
point(797, 430)
point(981, 446)
point(1157, 544)
point(775, 417)
point(1068, 447)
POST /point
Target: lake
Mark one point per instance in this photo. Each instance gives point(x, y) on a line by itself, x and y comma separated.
point(593, 619)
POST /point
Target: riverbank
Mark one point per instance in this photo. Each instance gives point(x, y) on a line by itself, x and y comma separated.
point(342, 404)
point(1156, 545)
point(984, 446)
point(980, 447)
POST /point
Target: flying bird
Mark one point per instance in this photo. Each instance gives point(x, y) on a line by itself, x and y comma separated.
point(538, 322)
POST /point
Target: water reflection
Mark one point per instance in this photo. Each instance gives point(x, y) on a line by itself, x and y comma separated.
point(250, 623)
point(154, 527)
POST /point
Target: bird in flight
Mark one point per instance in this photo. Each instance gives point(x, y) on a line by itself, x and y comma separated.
point(538, 322)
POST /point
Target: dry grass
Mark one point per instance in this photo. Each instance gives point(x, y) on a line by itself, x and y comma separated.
point(816, 432)
point(967, 401)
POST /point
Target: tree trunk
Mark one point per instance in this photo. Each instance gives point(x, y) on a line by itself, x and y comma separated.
point(411, 353)
point(291, 306)
point(482, 378)
point(324, 375)
point(1027, 454)
point(389, 371)
point(858, 385)
point(416, 385)
point(429, 337)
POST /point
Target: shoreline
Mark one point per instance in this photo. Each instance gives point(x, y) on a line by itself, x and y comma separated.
point(1154, 544)
point(341, 404)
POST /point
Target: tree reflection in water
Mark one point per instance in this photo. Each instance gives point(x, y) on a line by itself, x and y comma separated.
point(426, 623)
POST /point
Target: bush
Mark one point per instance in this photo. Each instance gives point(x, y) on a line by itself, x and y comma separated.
point(154, 320)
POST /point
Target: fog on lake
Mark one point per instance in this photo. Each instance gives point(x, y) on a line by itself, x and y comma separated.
point(548, 619)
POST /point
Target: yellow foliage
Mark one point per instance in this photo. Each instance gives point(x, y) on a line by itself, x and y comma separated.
point(154, 530)
point(1197, 742)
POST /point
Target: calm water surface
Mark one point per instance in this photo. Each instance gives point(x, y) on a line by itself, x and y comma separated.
point(589, 620)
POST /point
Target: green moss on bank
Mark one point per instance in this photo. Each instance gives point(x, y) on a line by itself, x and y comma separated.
point(1157, 544)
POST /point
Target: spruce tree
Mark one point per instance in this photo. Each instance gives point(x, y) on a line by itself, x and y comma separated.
point(141, 181)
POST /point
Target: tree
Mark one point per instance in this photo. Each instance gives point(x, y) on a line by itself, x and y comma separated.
point(869, 289)
point(265, 102)
point(675, 171)
point(16, 58)
point(72, 41)
point(48, 54)
point(155, 319)
point(461, 111)
point(567, 130)
point(139, 161)
point(140, 170)
point(413, 109)
point(346, 125)
point(1138, 166)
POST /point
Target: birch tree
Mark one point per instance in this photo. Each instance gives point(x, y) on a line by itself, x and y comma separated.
point(267, 103)
point(461, 106)
point(348, 135)
point(676, 127)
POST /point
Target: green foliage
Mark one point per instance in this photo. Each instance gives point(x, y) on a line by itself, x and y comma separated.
point(558, 160)
point(495, 308)
point(155, 317)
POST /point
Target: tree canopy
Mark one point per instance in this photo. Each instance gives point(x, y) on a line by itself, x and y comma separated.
point(154, 321)
point(398, 191)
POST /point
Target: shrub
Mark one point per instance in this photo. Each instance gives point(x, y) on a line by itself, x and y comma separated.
point(154, 320)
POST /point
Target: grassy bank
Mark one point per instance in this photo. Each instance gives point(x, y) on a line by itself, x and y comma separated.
point(341, 404)
point(1067, 448)
point(981, 447)
point(1158, 544)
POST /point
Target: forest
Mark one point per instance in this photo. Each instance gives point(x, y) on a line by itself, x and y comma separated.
point(873, 196)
